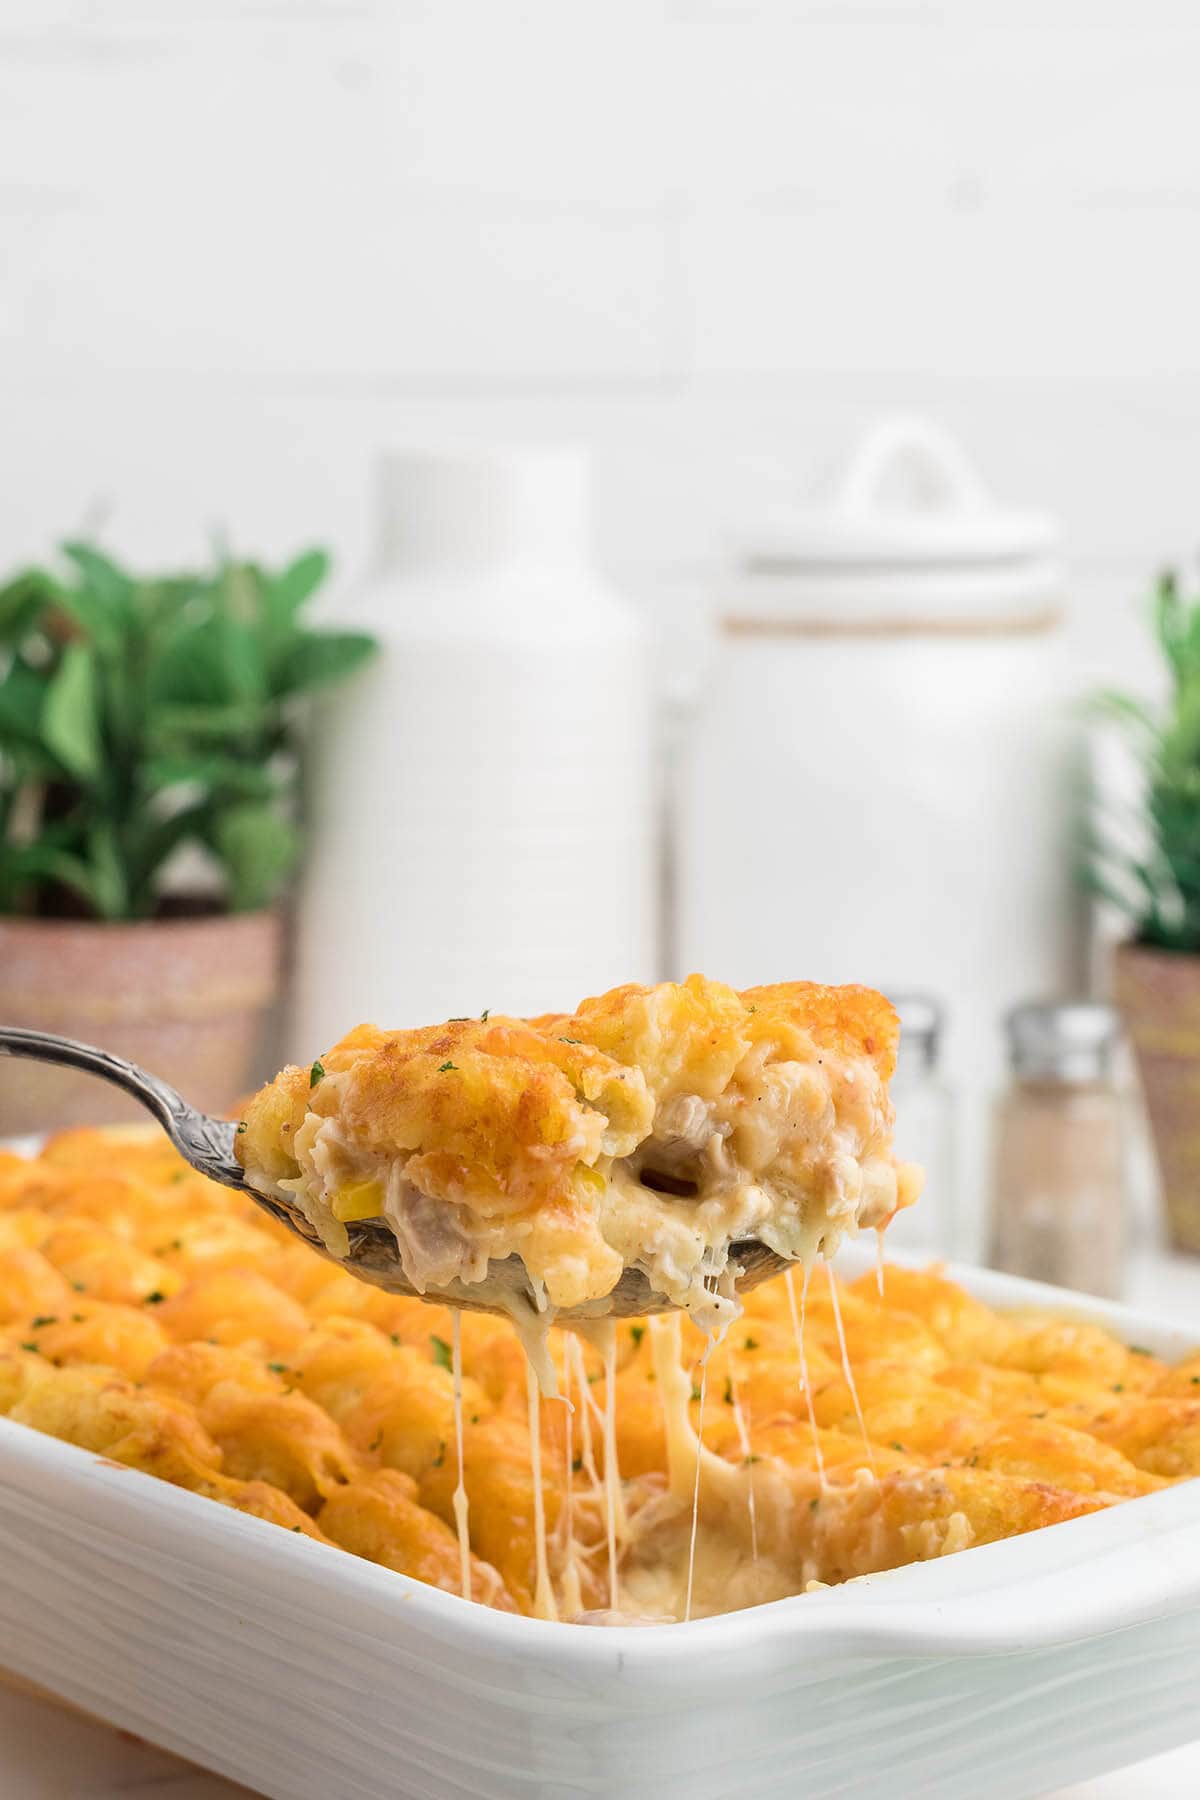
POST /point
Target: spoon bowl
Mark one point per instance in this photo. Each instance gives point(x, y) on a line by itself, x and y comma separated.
point(208, 1145)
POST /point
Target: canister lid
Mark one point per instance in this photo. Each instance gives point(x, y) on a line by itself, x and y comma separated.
point(1052, 1041)
point(907, 499)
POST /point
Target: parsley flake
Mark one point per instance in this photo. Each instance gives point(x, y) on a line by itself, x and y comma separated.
point(577, 1463)
point(728, 1390)
point(32, 1347)
point(43, 1319)
point(242, 1126)
point(441, 1353)
point(563, 1040)
point(376, 1441)
point(440, 1458)
point(638, 1332)
point(695, 1392)
point(277, 1368)
point(896, 1446)
point(156, 1298)
point(483, 1017)
point(750, 1344)
point(316, 1073)
point(1139, 1350)
point(442, 1067)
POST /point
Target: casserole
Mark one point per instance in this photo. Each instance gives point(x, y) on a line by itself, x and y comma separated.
point(311, 1675)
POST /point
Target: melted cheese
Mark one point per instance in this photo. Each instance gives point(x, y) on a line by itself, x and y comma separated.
point(461, 1504)
point(847, 1371)
point(544, 1604)
point(164, 1323)
point(798, 1321)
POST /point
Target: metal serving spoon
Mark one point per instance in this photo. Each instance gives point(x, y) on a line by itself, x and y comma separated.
point(207, 1144)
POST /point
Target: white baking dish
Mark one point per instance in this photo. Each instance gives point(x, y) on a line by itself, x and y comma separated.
point(311, 1675)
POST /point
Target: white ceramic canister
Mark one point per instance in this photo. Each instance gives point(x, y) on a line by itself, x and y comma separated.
point(878, 785)
point(482, 800)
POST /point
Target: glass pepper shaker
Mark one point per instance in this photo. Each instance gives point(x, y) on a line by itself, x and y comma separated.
point(924, 1126)
point(1058, 1194)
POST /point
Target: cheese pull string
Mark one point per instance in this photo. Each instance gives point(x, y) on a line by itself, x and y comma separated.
point(799, 1319)
point(461, 1504)
point(615, 1520)
point(571, 1587)
point(743, 1434)
point(847, 1371)
point(691, 1572)
point(544, 1604)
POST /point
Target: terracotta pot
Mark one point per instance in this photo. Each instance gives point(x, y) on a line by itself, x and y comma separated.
point(187, 998)
point(1158, 992)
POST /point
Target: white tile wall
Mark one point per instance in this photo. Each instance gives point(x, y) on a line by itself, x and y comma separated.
point(244, 244)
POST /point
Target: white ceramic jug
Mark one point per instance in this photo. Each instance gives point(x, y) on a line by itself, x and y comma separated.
point(877, 787)
point(482, 800)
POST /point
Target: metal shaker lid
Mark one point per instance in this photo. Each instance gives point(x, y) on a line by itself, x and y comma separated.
point(922, 1019)
point(1063, 1041)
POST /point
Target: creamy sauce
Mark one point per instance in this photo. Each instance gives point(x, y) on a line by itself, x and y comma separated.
point(544, 1604)
point(793, 1152)
point(703, 1490)
point(461, 1506)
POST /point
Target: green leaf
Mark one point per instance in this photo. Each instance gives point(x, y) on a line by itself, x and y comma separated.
point(109, 884)
point(246, 780)
point(39, 862)
point(70, 721)
point(208, 660)
point(175, 726)
point(1124, 710)
point(23, 600)
point(111, 585)
point(258, 848)
point(320, 657)
point(22, 696)
point(103, 605)
point(150, 844)
point(286, 593)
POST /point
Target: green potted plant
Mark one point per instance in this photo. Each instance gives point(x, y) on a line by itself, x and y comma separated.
point(1152, 875)
point(150, 744)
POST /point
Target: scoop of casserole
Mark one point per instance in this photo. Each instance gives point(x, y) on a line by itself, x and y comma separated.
point(653, 1128)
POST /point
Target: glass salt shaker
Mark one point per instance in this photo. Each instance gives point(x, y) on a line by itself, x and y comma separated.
point(924, 1126)
point(1058, 1205)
